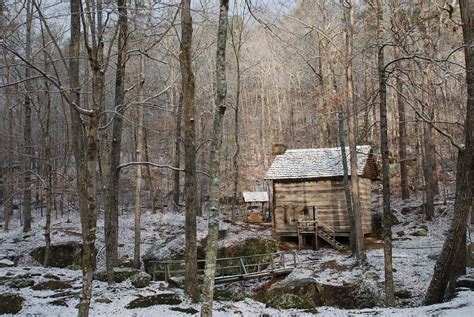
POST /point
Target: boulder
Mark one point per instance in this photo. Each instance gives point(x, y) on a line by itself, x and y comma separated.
point(422, 232)
point(141, 280)
point(188, 311)
point(51, 285)
point(348, 295)
point(10, 303)
point(121, 274)
point(59, 302)
point(230, 292)
point(22, 283)
point(288, 301)
point(466, 281)
point(160, 299)
point(62, 255)
point(402, 293)
point(51, 277)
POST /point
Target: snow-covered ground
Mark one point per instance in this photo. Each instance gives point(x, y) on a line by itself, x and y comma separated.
point(413, 256)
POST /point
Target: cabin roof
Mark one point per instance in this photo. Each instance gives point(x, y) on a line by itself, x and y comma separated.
point(255, 197)
point(320, 163)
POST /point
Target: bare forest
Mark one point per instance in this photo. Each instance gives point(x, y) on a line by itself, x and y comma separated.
point(245, 157)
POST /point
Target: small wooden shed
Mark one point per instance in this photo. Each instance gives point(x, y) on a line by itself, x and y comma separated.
point(308, 184)
point(255, 199)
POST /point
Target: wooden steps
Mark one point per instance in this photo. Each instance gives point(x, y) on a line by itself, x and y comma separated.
point(331, 240)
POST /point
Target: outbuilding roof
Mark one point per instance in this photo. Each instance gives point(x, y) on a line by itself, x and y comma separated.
point(320, 163)
point(255, 197)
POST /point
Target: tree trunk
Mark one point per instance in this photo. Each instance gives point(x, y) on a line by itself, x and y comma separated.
point(443, 271)
point(138, 188)
point(352, 129)
point(28, 150)
point(177, 155)
point(236, 46)
point(190, 180)
point(216, 142)
point(149, 175)
point(402, 133)
point(345, 181)
point(387, 212)
point(46, 136)
point(112, 182)
point(89, 223)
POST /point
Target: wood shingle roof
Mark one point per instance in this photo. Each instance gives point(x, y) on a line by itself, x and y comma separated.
point(319, 163)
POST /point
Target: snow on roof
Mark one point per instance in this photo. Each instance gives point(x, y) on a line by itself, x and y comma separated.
point(315, 163)
point(255, 197)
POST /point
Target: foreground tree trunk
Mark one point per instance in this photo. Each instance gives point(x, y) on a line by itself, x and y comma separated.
point(443, 271)
point(216, 142)
point(177, 154)
point(138, 187)
point(190, 180)
point(352, 132)
point(387, 212)
point(345, 181)
point(113, 173)
point(28, 150)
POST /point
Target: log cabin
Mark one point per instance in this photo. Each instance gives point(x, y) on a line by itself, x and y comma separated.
point(307, 185)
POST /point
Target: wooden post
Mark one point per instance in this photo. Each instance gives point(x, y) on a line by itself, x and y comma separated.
point(299, 235)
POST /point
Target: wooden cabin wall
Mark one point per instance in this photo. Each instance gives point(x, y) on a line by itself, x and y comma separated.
point(327, 196)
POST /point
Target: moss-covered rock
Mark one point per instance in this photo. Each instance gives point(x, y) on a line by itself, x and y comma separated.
point(402, 293)
point(348, 295)
point(160, 299)
point(62, 255)
point(288, 301)
point(121, 274)
point(51, 285)
point(422, 232)
point(230, 292)
point(103, 300)
point(189, 310)
point(59, 302)
point(10, 303)
point(141, 280)
point(22, 282)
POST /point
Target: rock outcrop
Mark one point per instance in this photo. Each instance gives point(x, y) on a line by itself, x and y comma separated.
point(348, 295)
point(62, 255)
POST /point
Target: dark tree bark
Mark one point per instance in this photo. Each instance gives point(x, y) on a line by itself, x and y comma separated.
point(139, 151)
point(190, 180)
point(28, 143)
point(177, 154)
point(113, 180)
point(216, 142)
point(352, 131)
point(443, 271)
point(387, 212)
point(345, 181)
point(236, 33)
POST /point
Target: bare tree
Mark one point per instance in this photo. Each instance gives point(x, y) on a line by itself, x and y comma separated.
point(443, 271)
point(190, 180)
point(28, 142)
point(216, 143)
point(387, 212)
point(351, 111)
